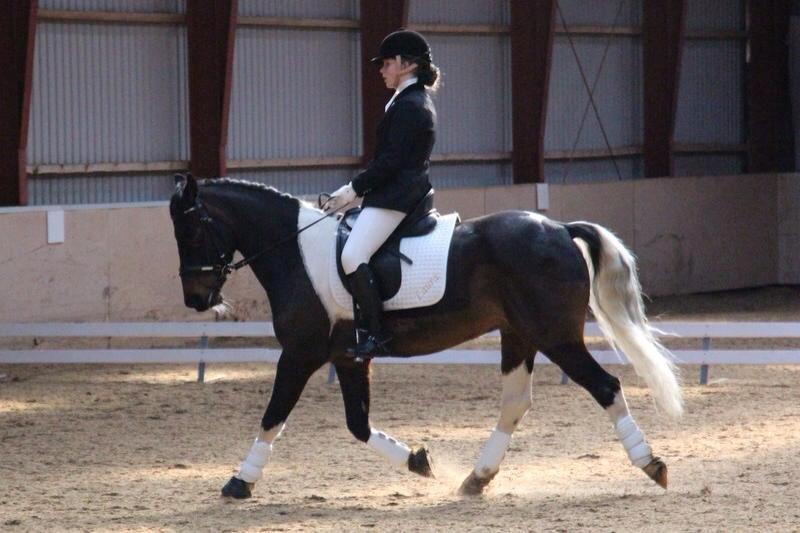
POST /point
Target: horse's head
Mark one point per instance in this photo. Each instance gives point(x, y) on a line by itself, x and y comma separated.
point(205, 245)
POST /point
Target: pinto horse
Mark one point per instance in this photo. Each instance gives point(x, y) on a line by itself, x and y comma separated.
point(515, 271)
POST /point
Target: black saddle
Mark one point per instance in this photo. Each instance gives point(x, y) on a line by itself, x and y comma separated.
point(386, 261)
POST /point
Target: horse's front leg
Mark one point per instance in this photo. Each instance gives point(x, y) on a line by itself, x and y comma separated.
point(290, 379)
point(354, 381)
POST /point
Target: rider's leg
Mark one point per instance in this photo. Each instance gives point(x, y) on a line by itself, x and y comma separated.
point(370, 231)
point(373, 226)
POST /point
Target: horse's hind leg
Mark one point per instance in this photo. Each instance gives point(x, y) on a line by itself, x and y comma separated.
point(517, 367)
point(354, 382)
point(576, 361)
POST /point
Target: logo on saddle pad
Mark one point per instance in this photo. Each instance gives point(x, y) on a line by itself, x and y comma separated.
point(403, 285)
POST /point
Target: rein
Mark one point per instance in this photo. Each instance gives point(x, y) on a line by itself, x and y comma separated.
point(225, 267)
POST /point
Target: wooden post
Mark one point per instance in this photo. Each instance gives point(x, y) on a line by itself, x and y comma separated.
point(211, 34)
point(17, 32)
point(663, 37)
point(378, 19)
point(770, 135)
point(532, 30)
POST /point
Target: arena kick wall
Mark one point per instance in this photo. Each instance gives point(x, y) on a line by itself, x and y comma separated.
point(120, 262)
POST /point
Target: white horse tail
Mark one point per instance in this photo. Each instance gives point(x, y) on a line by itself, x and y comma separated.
point(616, 302)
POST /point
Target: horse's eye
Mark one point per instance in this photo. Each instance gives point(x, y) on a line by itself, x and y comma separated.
point(191, 235)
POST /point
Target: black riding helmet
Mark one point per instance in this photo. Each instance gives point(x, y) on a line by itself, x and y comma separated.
point(405, 43)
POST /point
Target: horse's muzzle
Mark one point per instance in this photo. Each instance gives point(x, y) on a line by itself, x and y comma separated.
point(199, 302)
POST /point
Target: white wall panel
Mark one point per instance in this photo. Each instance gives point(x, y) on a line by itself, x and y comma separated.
point(125, 6)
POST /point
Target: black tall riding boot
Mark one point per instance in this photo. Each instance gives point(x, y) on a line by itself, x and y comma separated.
point(364, 286)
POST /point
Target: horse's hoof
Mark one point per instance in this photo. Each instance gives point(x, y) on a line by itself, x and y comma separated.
point(474, 485)
point(420, 462)
point(657, 471)
point(238, 489)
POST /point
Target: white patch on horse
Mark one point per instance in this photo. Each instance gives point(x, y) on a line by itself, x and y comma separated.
point(316, 248)
point(516, 401)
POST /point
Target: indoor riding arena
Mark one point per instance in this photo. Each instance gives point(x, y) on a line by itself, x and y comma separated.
point(606, 338)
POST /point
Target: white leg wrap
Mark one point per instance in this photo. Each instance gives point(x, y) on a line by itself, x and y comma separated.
point(492, 454)
point(252, 468)
point(395, 451)
point(632, 439)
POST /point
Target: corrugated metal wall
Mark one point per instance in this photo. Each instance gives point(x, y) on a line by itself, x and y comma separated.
point(318, 9)
point(618, 92)
point(711, 97)
point(123, 6)
point(100, 189)
point(458, 12)
point(473, 103)
point(117, 93)
point(282, 107)
point(108, 93)
point(303, 181)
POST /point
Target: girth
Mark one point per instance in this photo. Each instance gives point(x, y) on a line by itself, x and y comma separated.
point(386, 261)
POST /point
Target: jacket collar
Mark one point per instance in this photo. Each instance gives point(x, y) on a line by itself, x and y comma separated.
point(407, 86)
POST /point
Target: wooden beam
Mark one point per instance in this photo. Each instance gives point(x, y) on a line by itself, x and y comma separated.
point(378, 19)
point(296, 162)
point(110, 17)
point(532, 30)
point(295, 23)
point(17, 32)
point(460, 29)
point(770, 134)
point(663, 41)
point(211, 29)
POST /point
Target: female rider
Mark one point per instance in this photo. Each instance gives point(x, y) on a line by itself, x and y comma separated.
point(395, 180)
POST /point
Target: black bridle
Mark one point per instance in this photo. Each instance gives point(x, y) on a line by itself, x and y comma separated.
point(223, 266)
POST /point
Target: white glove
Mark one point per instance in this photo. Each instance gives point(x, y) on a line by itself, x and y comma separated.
point(340, 198)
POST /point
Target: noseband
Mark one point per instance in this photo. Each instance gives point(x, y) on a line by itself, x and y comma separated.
point(222, 266)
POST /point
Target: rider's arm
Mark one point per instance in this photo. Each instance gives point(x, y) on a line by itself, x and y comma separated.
point(402, 129)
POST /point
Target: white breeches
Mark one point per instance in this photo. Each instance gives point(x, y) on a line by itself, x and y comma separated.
point(373, 226)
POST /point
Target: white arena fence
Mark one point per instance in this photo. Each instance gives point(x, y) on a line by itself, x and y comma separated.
point(704, 356)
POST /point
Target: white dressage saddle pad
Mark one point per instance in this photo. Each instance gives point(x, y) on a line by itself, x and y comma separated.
point(423, 283)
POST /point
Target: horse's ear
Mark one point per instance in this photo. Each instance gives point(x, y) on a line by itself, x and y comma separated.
point(190, 189)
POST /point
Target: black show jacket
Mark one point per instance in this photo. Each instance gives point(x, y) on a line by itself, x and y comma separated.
point(397, 177)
